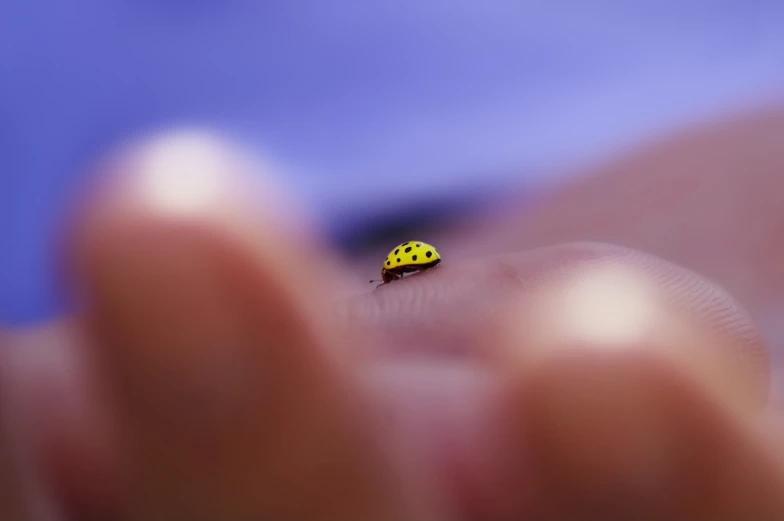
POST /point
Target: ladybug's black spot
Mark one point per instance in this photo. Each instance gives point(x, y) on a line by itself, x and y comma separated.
point(419, 245)
point(408, 249)
point(397, 250)
point(398, 260)
point(403, 244)
point(414, 257)
point(388, 262)
point(428, 255)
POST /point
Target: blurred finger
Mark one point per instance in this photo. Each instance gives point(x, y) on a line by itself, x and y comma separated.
point(25, 491)
point(614, 298)
point(234, 398)
point(635, 435)
point(612, 363)
point(493, 318)
point(580, 291)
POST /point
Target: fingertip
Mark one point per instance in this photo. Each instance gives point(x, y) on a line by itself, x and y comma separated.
point(616, 300)
point(187, 177)
point(211, 320)
point(185, 171)
point(193, 184)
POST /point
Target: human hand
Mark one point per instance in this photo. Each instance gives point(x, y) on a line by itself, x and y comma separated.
point(216, 375)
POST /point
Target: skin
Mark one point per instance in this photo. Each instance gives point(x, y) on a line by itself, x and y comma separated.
point(211, 375)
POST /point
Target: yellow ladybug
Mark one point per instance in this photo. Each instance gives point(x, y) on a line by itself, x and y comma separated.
point(407, 258)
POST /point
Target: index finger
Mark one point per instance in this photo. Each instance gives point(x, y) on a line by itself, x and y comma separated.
point(460, 308)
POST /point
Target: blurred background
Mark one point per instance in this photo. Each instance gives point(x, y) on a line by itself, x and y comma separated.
point(385, 117)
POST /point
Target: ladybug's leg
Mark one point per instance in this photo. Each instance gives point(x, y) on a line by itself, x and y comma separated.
point(387, 277)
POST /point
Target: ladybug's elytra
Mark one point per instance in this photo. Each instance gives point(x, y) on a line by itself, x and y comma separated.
point(409, 257)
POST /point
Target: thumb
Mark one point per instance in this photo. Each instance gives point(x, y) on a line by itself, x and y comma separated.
point(234, 398)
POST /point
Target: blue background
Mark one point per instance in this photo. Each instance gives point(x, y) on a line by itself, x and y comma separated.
point(438, 95)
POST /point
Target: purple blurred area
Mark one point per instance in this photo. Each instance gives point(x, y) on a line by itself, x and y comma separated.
point(364, 106)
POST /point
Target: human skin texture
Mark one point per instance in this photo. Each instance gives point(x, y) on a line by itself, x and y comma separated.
point(601, 358)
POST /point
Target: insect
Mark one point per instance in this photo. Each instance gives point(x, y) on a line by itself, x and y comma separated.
point(409, 257)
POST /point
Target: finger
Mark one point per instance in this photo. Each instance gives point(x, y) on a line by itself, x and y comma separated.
point(40, 405)
point(615, 297)
point(644, 326)
point(15, 502)
point(476, 308)
point(491, 318)
point(56, 413)
point(635, 435)
point(234, 397)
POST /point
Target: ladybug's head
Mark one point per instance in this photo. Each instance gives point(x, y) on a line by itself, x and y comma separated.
point(387, 276)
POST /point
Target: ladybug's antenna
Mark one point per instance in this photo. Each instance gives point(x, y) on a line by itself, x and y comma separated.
point(375, 281)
